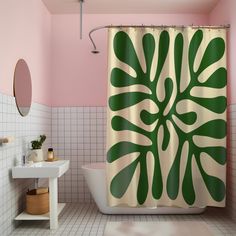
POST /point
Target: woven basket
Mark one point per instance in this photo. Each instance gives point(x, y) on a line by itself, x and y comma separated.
point(37, 204)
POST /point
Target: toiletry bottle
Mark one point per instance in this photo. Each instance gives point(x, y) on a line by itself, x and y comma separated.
point(23, 160)
point(50, 154)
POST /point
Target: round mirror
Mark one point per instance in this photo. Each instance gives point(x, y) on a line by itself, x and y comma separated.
point(22, 87)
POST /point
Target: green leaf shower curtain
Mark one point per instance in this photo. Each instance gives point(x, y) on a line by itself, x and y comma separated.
point(166, 137)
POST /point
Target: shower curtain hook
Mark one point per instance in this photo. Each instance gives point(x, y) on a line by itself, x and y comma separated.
point(143, 27)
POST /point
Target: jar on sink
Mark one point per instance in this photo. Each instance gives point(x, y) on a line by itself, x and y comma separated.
point(50, 156)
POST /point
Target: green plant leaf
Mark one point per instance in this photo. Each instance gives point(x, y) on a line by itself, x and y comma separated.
point(173, 176)
point(214, 52)
point(121, 149)
point(193, 49)
point(163, 49)
point(119, 123)
point(187, 186)
point(178, 56)
point(120, 78)
point(215, 186)
point(217, 153)
point(149, 48)
point(147, 117)
point(127, 54)
point(217, 80)
point(124, 177)
point(124, 100)
point(166, 138)
point(213, 129)
point(143, 181)
point(188, 118)
point(168, 90)
point(217, 105)
point(157, 182)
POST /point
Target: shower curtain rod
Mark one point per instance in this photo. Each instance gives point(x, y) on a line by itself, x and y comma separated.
point(152, 26)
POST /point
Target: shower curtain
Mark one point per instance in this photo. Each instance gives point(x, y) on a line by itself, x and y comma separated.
point(166, 128)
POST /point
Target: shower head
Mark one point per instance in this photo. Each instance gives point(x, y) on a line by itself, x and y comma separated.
point(95, 51)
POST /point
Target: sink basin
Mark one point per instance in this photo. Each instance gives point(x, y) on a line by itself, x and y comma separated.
point(41, 170)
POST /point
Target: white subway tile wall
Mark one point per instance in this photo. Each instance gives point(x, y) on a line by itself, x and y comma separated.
point(23, 129)
point(78, 134)
point(231, 162)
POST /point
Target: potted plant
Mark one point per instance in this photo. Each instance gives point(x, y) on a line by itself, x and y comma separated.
point(36, 154)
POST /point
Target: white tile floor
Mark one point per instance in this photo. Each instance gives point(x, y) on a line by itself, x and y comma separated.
point(85, 219)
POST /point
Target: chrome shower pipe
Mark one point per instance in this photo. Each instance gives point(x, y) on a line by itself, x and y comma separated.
point(91, 39)
point(81, 18)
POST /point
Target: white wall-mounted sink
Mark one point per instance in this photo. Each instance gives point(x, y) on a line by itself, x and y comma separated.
point(41, 170)
point(52, 171)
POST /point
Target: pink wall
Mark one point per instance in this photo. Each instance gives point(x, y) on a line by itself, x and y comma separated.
point(80, 77)
point(224, 13)
point(25, 28)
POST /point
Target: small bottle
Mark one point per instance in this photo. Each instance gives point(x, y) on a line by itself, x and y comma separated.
point(23, 160)
point(50, 154)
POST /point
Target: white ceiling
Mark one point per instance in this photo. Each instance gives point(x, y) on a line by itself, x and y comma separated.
point(130, 6)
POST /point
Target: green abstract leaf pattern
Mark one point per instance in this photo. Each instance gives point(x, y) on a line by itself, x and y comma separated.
point(195, 124)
